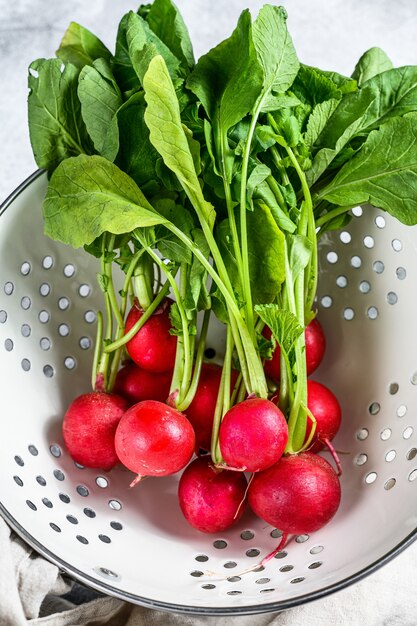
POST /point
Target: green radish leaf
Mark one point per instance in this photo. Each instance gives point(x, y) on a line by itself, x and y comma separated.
point(259, 173)
point(374, 61)
point(144, 45)
point(275, 50)
point(88, 196)
point(123, 69)
point(100, 99)
point(284, 325)
point(266, 255)
point(383, 173)
point(176, 321)
point(167, 23)
point(228, 79)
point(273, 101)
point(300, 251)
point(56, 128)
point(195, 287)
point(137, 156)
point(162, 116)
point(343, 83)
point(80, 47)
point(313, 86)
point(168, 244)
point(318, 120)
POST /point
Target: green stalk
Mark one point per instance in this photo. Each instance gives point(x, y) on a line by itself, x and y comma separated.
point(182, 406)
point(115, 345)
point(327, 217)
point(97, 349)
point(247, 352)
point(141, 281)
point(223, 398)
point(243, 223)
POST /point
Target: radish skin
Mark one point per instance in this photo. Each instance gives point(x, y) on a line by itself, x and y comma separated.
point(253, 435)
point(89, 426)
point(210, 499)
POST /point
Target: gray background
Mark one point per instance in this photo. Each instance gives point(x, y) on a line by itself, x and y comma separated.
point(329, 33)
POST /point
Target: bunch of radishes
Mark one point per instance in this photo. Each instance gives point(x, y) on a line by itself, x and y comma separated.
point(138, 425)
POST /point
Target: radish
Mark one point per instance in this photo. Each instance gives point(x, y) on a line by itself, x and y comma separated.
point(315, 348)
point(298, 495)
point(201, 410)
point(154, 439)
point(253, 435)
point(211, 499)
point(153, 348)
point(136, 384)
point(326, 409)
point(89, 427)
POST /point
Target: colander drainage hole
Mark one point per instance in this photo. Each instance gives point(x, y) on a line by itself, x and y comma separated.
point(116, 525)
point(45, 289)
point(47, 262)
point(69, 270)
point(386, 434)
point(374, 408)
point(102, 482)
point(48, 371)
point(220, 544)
point(210, 353)
point(302, 538)
point(411, 454)
point(45, 343)
point(234, 579)
point(31, 505)
point(397, 245)
point(59, 475)
point(116, 505)
point(266, 590)
point(281, 554)
point(393, 388)
point(316, 549)
point(18, 481)
point(286, 568)
point(63, 303)
point(107, 573)
point(89, 513)
point(3, 316)
point(371, 478)
point(90, 317)
point(361, 459)
point(401, 411)
point(44, 316)
point(25, 303)
point(8, 344)
point(55, 527)
point(208, 586)
point(315, 565)
point(25, 268)
point(70, 363)
point(47, 503)
point(19, 460)
point(389, 484)
point(390, 456)
point(297, 580)
point(25, 330)
point(246, 535)
point(84, 290)
point(72, 519)
point(408, 432)
point(262, 581)
point(82, 491)
point(104, 538)
point(401, 273)
point(412, 475)
point(41, 481)
point(26, 365)
point(380, 221)
point(201, 558)
point(252, 552)
point(64, 498)
point(230, 564)
point(276, 533)
point(82, 539)
point(8, 288)
point(235, 592)
point(362, 434)
point(197, 573)
point(55, 450)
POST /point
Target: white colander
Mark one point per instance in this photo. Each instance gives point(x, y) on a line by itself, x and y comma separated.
point(134, 543)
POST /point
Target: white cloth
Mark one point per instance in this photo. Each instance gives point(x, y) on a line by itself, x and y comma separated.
point(30, 586)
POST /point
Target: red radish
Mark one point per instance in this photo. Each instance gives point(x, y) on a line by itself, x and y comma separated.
point(326, 409)
point(211, 499)
point(201, 410)
point(154, 439)
point(315, 348)
point(89, 426)
point(298, 495)
point(136, 384)
point(253, 435)
point(153, 348)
